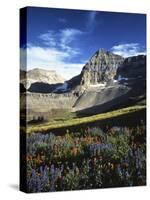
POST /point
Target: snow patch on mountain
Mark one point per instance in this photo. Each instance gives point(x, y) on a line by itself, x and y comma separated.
point(62, 88)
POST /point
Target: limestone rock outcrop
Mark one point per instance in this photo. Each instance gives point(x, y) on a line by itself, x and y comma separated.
point(101, 68)
point(41, 76)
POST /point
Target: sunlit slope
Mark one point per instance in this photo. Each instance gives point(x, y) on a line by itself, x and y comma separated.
point(45, 127)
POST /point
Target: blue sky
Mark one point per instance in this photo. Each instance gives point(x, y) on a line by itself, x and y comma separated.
point(64, 40)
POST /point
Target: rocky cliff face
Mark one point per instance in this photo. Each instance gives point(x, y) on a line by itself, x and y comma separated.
point(132, 67)
point(41, 76)
point(127, 88)
point(107, 81)
point(101, 68)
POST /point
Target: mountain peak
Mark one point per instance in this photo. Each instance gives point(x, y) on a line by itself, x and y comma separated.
point(102, 51)
point(101, 67)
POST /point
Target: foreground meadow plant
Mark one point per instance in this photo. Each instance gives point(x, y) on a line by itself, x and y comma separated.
point(82, 161)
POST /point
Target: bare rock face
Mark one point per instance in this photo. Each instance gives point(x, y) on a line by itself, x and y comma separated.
point(132, 67)
point(41, 76)
point(101, 68)
point(107, 81)
point(127, 87)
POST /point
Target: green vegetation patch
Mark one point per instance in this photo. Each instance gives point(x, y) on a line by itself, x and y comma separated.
point(79, 121)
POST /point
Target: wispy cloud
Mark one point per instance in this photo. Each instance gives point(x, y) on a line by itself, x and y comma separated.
point(92, 17)
point(91, 21)
point(62, 39)
point(51, 59)
point(67, 36)
point(62, 20)
point(48, 38)
point(129, 49)
point(56, 53)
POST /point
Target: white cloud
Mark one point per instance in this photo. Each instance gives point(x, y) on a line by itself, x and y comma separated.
point(67, 36)
point(50, 59)
point(62, 39)
point(57, 53)
point(127, 50)
point(48, 38)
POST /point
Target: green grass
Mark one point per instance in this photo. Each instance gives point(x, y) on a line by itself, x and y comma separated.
point(62, 115)
point(45, 127)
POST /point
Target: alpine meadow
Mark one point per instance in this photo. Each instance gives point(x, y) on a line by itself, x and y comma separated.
point(82, 99)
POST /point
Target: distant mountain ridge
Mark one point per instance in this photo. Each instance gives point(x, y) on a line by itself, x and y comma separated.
point(107, 81)
point(41, 76)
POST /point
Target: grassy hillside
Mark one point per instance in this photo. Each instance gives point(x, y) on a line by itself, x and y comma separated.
point(65, 124)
